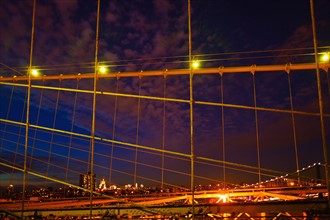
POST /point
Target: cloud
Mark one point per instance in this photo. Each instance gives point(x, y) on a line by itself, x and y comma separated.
point(66, 7)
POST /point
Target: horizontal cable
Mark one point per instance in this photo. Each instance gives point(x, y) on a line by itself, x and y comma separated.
point(129, 161)
point(148, 165)
point(113, 63)
point(153, 149)
point(171, 100)
point(97, 138)
point(219, 70)
point(259, 108)
point(81, 188)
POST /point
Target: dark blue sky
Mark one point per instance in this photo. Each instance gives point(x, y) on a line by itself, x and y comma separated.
point(147, 35)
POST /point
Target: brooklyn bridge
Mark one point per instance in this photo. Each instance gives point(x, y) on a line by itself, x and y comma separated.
point(233, 135)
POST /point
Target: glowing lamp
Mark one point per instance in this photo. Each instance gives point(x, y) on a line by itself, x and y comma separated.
point(102, 70)
point(195, 64)
point(325, 57)
point(35, 72)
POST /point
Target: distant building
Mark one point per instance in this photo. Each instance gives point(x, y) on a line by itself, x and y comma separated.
point(102, 185)
point(85, 181)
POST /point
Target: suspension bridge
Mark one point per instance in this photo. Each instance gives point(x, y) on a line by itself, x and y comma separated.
point(55, 167)
point(257, 133)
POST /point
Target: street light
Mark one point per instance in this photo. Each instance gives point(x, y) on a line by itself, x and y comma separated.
point(102, 70)
point(195, 64)
point(325, 57)
point(35, 72)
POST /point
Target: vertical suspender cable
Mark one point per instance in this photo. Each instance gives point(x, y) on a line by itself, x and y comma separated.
point(137, 132)
point(223, 130)
point(28, 108)
point(19, 132)
point(319, 90)
point(294, 129)
point(113, 131)
point(191, 110)
point(35, 130)
point(94, 107)
point(328, 80)
point(7, 116)
point(52, 133)
point(164, 127)
point(257, 126)
point(72, 126)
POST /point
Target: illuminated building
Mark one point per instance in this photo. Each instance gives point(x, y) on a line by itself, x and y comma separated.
point(102, 185)
point(85, 181)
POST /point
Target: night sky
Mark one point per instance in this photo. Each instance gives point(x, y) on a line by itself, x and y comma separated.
point(137, 35)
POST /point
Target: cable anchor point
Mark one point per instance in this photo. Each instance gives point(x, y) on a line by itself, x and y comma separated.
point(220, 69)
point(287, 68)
point(165, 73)
point(253, 69)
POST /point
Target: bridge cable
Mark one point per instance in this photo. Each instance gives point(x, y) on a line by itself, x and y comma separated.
point(174, 157)
point(137, 131)
point(7, 117)
point(96, 67)
point(79, 136)
point(4, 131)
point(32, 147)
point(88, 64)
point(20, 130)
point(223, 130)
point(113, 132)
point(28, 109)
point(219, 162)
point(257, 125)
point(191, 112)
point(293, 127)
point(53, 132)
point(169, 170)
point(319, 91)
point(72, 128)
point(163, 130)
point(176, 100)
point(328, 80)
point(142, 147)
point(35, 130)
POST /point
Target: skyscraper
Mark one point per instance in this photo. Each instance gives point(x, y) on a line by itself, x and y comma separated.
point(85, 181)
